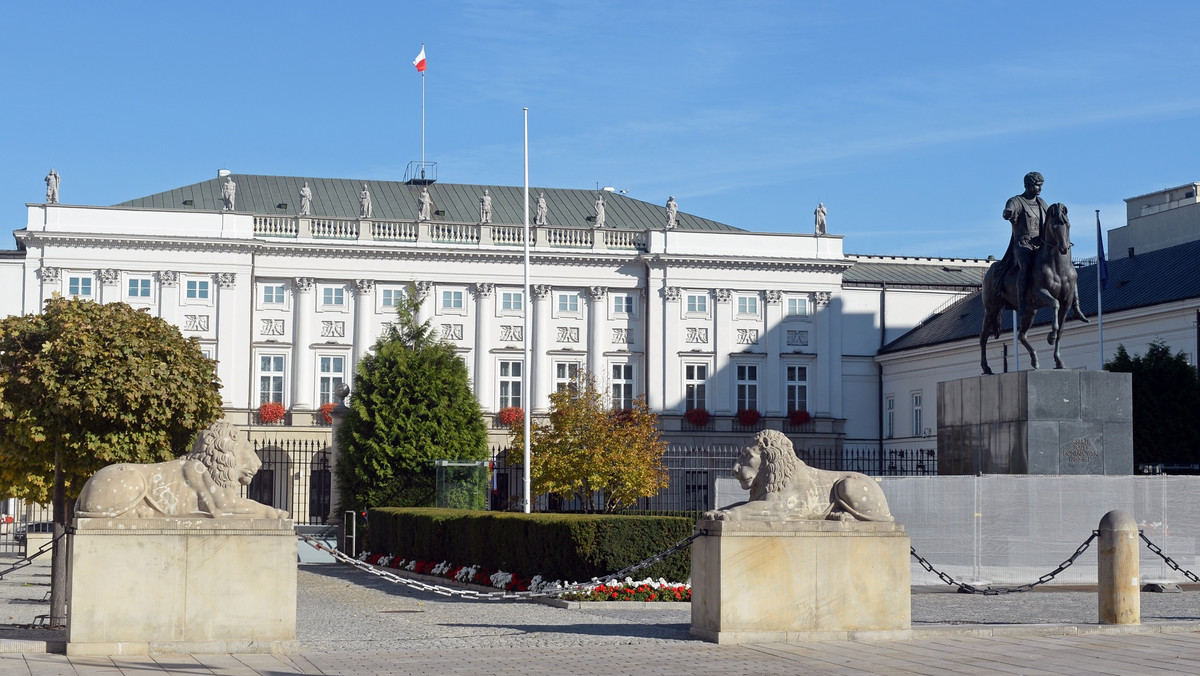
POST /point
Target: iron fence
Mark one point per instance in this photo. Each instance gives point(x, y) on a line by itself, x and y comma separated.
point(295, 476)
point(692, 471)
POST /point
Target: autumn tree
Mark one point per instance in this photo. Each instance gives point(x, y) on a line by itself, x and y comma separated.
point(605, 458)
point(85, 385)
point(411, 404)
point(1166, 400)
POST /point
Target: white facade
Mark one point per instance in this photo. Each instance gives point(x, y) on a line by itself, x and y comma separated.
point(719, 318)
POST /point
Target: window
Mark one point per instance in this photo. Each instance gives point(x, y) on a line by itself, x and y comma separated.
point(889, 417)
point(697, 303)
point(747, 387)
point(747, 305)
point(566, 375)
point(390, 297)
point(622, 304)
point(694, 377)
point(270, 378)
point(273, 294)
point(797, 306)
point(333, 296)
point(510, 383)
point(916, 414)
point(511, 301)
point(79, 286)
point(622, 386)
point(796, 385)
point(452, 300)
point(333, 372)
point(138, 287)
point(568, 302)
point(197, 289)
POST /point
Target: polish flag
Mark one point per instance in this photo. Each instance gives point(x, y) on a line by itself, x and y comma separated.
point(419, 62)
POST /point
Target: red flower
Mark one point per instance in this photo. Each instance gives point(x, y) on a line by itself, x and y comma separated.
point(510, 415)
point(697, 416)
point(271, 412)
point(748, 417)
point(799, 417)
point(326, 409)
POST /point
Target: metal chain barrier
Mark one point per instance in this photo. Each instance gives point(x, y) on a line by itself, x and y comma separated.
point(21, 563)
point(964, 588)
point(1170, 562)
point(496, 595)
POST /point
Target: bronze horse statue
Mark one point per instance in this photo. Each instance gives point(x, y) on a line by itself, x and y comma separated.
point(1051, 283)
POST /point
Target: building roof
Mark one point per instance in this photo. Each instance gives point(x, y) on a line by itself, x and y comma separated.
point(914, 273)
point(1152, 278)
point(397, 200)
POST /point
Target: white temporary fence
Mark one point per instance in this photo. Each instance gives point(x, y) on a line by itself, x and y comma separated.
point(1010, 530)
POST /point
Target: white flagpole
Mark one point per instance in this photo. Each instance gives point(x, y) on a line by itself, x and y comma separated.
point(525, 337)
point(1099, 300)
point(422, 113)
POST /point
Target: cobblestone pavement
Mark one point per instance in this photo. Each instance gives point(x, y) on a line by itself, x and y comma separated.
point(353, 623)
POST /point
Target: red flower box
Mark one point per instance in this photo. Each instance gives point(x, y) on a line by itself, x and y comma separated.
point(510, 415)
point(799, 417)
point(271, 412)
point(326, 409)
point(748, 417)
point(697, 416)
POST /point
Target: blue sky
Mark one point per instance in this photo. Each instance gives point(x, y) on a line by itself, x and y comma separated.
point(912, 122)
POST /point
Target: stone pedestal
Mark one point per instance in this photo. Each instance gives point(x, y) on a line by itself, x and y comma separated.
point(1036, 422)
point(758, 581)
point(174, 586)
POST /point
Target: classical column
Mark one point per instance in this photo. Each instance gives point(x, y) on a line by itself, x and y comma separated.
point(304, 310)
point(110, 286)
point(51, 281)
point(827, 354)
point(654, 332)
point(597, 321)
point(228, 345)
point(774, 403)
point(720, 393)
point(364, 308)
point(424, 288)
point(541, 371)
point(168, 296)
point(664, 335)
point(483, 339)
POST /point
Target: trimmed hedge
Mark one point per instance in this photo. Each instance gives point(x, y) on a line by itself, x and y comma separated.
point(571, 547)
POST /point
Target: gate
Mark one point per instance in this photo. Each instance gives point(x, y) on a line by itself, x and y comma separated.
point(295, 476)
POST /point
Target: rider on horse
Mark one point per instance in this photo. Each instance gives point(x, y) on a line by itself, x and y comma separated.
point(1027, 213)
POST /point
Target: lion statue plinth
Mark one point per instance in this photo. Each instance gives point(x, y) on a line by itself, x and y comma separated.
point(203, 483)
point(782, 488)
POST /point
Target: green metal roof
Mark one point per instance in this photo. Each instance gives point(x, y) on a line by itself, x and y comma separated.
point(396, 200)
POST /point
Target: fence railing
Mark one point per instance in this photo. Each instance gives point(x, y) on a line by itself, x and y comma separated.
point(295, 476)
point(692, 471)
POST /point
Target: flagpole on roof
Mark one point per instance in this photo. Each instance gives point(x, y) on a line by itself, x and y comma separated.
point(525, 338)
point(419, 63)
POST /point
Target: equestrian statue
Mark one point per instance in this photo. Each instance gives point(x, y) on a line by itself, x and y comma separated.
point(1035, 272)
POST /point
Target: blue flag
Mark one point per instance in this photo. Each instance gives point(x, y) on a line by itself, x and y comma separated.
point(1100, 255)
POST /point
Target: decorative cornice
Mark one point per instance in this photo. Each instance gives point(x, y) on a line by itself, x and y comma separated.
point(303, 284)
point(773, 296)
point(50, 275)
point(597, 293)
point(821, 298)
point(672, 293)
point(483, 289)
point(168, 278)
point(110, 276)
point(363, 286)
point(227, 280)
point(542, 291)
point(723, 295)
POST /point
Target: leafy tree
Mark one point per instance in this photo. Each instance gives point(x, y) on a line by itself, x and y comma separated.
point(85, 385)
point(605, 458)
point(1166, 404)
point(412, 404)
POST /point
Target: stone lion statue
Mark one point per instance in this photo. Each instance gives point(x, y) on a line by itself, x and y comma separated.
point(782, 487)
point(203, 483)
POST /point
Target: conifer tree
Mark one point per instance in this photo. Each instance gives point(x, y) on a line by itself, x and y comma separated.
point(411, 404)
point(1166, 405)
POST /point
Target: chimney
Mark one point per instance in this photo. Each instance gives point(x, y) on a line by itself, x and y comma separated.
point(1131, 252)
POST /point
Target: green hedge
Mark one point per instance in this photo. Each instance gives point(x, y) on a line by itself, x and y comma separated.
point(571, 547)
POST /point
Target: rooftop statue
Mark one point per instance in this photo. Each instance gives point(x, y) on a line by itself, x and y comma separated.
point(542, 211)
point(672, 213)
point(229, 194)
point(364, 203)
point(305, 200)
point(600, 211)
point(52, 181)
point(819, 215)
point(204, 483)
point(783, 488)
point(485, 207)
point(1035, 272)
point(424, 205)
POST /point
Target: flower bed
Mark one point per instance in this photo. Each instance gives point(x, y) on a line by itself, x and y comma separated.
point(609, 590)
